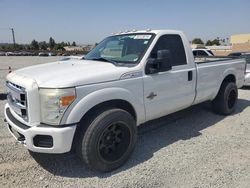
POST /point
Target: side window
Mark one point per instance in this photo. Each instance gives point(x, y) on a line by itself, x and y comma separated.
point(174, 44)
point(202, 53)
point(211, 52)
point(195, 53)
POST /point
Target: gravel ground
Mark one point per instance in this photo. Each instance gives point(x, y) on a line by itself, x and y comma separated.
point(191, 148)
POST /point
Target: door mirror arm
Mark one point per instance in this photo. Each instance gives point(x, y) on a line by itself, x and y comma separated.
point(162, 63)
point(152, 67)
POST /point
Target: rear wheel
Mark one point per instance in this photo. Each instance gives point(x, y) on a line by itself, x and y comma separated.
point(108, 141)
point(226, 100)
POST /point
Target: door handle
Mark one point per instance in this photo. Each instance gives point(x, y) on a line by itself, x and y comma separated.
point(190, 75)
point(151, 95)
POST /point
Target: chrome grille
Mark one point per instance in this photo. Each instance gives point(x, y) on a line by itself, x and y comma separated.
point(17, 99)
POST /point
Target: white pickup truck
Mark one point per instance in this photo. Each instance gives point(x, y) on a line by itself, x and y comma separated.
point(93, 106)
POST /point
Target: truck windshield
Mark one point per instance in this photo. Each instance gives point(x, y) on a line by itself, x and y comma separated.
point(127, 48)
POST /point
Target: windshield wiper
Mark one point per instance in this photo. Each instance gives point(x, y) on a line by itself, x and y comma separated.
point(104, 59)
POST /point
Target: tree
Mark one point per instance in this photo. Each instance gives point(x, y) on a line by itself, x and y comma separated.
point(52, 43)
point(216, 42)
point(43, 45)
point(19, 47)
point(3, 47)
point(34, 45)
point(73, 43)
point(64, 44)
point(197, 41)
point(59, 47)
point(209, 43)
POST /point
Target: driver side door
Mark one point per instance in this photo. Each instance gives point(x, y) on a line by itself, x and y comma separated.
point(173, 90)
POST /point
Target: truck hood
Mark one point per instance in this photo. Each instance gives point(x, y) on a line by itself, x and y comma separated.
point(71, 73)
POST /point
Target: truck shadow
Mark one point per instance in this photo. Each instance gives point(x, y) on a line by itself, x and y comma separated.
point(245, 88)
point(153, 136)
point(3, 96)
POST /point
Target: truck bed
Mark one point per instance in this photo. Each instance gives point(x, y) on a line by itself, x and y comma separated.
point(209, 59)
point(212, 70)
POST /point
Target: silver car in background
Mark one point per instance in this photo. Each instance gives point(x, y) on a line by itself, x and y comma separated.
point(245, 55)
point(247, 75)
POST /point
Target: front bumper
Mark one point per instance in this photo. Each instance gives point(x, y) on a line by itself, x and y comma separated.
point(41, 138)
point(247, 79)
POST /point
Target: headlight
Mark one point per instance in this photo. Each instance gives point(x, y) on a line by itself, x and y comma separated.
point(54, 103)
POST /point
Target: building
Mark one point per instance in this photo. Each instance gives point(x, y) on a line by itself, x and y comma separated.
point(85, 48)
point(240, 43)
point(194, 46)
point(239, 39)
point(73, 48)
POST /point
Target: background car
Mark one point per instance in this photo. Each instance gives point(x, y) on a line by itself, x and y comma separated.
point(237, 54)
point(245, 55)
point(202, 52)
point(247, 75)
point(44, 54)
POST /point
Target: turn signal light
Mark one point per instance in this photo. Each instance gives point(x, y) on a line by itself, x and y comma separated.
point(67, 100)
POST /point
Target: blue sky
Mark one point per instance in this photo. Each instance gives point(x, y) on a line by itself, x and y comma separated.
point(90, 21)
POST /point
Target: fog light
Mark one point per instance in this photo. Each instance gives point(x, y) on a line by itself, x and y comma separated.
point(44, 141)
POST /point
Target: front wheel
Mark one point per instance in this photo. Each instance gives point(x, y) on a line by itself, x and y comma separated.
point(109, 140)
point(226, 100)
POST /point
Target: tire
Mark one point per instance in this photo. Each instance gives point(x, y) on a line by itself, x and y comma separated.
point(108, 141)
point(226, 100)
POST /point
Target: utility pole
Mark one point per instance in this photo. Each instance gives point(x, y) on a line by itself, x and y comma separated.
point(13, 36)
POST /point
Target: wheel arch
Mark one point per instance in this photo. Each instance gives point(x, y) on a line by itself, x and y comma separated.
point(114, 97)
point(114, 103)
point(230, 77)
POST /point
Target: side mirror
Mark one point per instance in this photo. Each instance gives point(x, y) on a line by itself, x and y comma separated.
point(162, 63)
point(164, 59)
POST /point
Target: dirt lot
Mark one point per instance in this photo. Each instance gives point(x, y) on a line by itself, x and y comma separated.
point(192, 148)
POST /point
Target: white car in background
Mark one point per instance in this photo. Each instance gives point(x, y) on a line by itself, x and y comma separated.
point(202, 52)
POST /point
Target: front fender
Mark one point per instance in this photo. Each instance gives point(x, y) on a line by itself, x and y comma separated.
point(84, 104)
